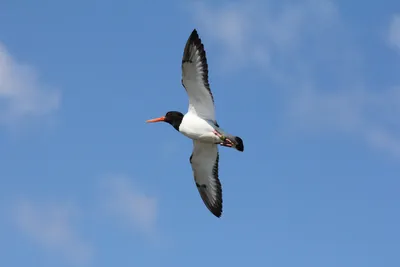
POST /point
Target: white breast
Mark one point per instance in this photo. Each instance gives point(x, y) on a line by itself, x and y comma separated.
point(197, 128)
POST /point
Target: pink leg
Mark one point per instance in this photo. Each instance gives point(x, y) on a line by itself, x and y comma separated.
point(226, 144)
point(226, 139)
point(217, 134)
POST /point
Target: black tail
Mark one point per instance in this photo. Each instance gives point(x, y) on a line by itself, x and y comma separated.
point(239, 144)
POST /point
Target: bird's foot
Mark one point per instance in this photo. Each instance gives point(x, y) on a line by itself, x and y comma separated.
point(222, 137)
point(226, 143)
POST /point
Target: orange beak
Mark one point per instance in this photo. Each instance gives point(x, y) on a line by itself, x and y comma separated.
point(157, 119)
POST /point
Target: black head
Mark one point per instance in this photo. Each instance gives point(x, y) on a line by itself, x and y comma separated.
point(172, 117)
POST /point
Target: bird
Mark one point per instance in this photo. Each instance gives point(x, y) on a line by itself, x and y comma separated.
point(200, 124)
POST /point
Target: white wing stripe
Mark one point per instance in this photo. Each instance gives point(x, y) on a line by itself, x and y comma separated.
point(204, 161)
point(195, 78)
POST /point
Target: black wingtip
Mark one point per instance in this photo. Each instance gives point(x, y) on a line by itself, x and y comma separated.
point(218, 214)
point(217, 211)
point(239, 145)
point(194, 35)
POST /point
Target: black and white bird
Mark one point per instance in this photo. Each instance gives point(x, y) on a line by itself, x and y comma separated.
point(200, 125)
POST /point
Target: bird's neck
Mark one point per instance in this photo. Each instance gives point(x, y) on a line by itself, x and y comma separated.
point(176, 123)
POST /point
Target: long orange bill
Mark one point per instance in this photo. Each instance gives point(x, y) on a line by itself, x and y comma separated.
point(157, 119)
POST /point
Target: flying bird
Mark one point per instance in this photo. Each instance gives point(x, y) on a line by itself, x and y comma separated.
point(200, 125)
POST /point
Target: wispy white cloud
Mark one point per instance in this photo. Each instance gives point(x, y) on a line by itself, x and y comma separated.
point(384, 140)
point(394, 32)
point(259, 32)
point(370, 115)
point(313, 59)
point(134, 208)
point(51, 226)
point(22, 95)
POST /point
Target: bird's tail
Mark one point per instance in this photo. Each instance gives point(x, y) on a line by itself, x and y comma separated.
point(237, 142)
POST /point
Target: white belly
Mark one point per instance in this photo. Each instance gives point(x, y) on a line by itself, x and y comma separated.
point(197, 128)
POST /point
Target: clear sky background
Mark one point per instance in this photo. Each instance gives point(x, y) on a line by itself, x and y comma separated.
point(312, 87)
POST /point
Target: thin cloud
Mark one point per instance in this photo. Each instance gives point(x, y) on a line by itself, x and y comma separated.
point(228, 25)
point(384, 140)
point(394, 32)
point(22, 95)
point(373, 116)
point(50, 226)
point(258, 32)
point(123, 199)
point(306, 50)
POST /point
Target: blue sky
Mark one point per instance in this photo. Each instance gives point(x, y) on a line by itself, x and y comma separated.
point(312, 87)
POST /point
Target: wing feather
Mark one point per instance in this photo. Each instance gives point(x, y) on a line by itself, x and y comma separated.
point(195, 78)
point(204, 161)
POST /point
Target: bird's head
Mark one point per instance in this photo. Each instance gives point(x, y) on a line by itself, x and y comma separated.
point(172, 117)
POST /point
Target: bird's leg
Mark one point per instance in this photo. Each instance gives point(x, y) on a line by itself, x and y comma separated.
point(225, 143)
point(225, 140)
point(219, 135)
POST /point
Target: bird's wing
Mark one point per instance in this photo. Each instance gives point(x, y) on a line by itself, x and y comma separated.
point(204, 161)
point(195, 78)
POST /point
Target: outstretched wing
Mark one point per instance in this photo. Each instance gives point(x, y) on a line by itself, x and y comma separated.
point(204, 161)
point(195, 78)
